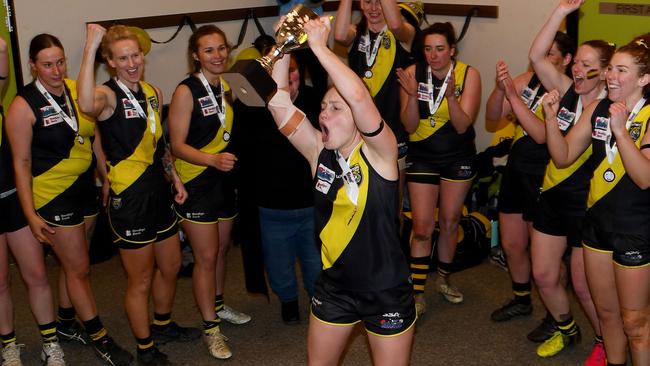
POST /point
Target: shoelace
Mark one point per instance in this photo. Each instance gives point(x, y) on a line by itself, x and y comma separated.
point(54, 352)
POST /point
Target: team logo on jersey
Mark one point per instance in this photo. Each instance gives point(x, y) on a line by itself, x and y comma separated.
point(207, 108)
point(116, 203)
point(424, 92)
point(322, 186)
point(391, 321)
point(635, 130)
point(565, 118)
point(153, 102)
point(50, 116)
point(356, 173)
point(386, 41)
point(129, 109)
point(528, 95)
point(325, 174)
point(601, 123)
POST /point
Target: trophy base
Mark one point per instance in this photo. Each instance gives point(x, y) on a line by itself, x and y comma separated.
point(251, 83)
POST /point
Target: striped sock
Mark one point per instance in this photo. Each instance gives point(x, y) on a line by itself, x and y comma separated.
point(444, 269)
point(419, 272)
point(218, 303)
point(95, 329)
point(568, 326)
point(210, 325)
point(144, 344)
point(65, 316)
point(8, 338)
point(161, 321)
point(522, 292)
point(48, 332)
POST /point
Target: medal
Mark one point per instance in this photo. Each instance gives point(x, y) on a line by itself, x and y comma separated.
point(80, 139)
point(226, 136)
point(367, 74)
point(69, 118)
point(609, 176)
point(386, 41)
point(432, 121)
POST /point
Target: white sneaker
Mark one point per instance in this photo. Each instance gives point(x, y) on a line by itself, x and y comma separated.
point(233, 316)
point(216, 343)
point(11, 354)
point(52, 354)
point(449, 292)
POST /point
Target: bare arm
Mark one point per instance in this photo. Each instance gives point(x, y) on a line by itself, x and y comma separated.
point(402, 29)
point(635, 161)
point(565, 150)
point(550, 77)
point(4, 63)
point(497, 106)
point(20, 120)
point(462, 113)
point(344, 31)
point(101, 166)
point(408, 96)
point(97, 101)
point(180, 112)
point(533, 126)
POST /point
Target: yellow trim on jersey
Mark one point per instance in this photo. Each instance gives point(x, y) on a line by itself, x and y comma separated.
point(51, 183)
point(441, 117)
point(599, 187)
point(188, 171)
point(181, 219)
point(383, 65)
point(555, 175)
point(334, 324)
point(127, 171)
point(632, 267)
point(56, 224)
point(596, 249)
point(345, 217)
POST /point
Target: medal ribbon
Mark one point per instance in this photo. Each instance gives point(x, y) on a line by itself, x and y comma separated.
point(371, 54)
point(434, 105)
point(71, 120)
point(613, 149)
point(151, 117)
point(221, 108)
point(578, 113)
point(351, 186)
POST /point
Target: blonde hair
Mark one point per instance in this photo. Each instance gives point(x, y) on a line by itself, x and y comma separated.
point(114, 34)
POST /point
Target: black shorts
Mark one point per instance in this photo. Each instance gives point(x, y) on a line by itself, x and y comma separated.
point(139, 216)
point(628, 249)
point(431, 173)
point(402, 150)
point(519, 193)
point(11, 214)
point(389, 312)
point(208, 202)
point(90, 193)
point(68, 208)
point(552, 220)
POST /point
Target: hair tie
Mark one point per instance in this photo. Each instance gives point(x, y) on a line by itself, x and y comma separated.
point(641, 42)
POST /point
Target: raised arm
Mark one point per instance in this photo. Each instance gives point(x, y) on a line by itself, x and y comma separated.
point(93, 100)
point(291, 121)
point(635, 161)
point(20, 120)
point(497, 106)
point(564, 150)
point(533, 126)
point(462, 113)
point(344, 31)
point(402, 29)
point(548, 74)
point(381, 143)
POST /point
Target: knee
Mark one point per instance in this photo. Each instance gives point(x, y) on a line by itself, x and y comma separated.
point(422, 230)
point(140, 284)
point(543, 278)
point(449, 224)
point(36, 277)
point(636, 324)
point(171, 267)
point(581, 290)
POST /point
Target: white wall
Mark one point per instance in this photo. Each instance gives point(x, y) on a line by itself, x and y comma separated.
point(488, 40)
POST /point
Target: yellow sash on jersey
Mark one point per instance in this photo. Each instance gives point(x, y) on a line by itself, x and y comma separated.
point(383, 65)
point(61, 176)
point(441, 117)
point(345, 217)
point(555, 175)
point(127, 171)
point(188, 171)
point(599, 187)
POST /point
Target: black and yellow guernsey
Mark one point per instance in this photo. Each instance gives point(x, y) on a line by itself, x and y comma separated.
point(435, 139)
point(360, 244)
point(58, 157)
point(382, 84)
point(571, 184)
point(6, 171)
point(615, 202)
point(133, 152)
point(526, 155)
point(205, 132)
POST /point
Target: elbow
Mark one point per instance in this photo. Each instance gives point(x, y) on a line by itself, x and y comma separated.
point(395, 25)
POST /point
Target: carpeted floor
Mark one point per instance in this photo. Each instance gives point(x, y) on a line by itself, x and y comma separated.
point(447, 334)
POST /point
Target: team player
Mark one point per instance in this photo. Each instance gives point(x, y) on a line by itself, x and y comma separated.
point(365, 274)
point(562, 203)
point(523, 176)
point(379, 44)
point(28, 254)
point(440, 98)
point(140, 204)
point(52, 149)
point(201, 125)
point(616, 236)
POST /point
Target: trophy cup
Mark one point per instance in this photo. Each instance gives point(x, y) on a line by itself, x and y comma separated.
point(251, 80)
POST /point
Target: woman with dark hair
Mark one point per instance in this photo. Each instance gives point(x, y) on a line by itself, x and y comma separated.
point(200, 127)
point(616, 235)
point(140, 209)
point(562, 203)
point(51, 142)
point(440, 98)
point(365, 274)
point(379, 44)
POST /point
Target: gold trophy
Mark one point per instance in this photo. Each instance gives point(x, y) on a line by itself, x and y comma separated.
point(251, 80)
